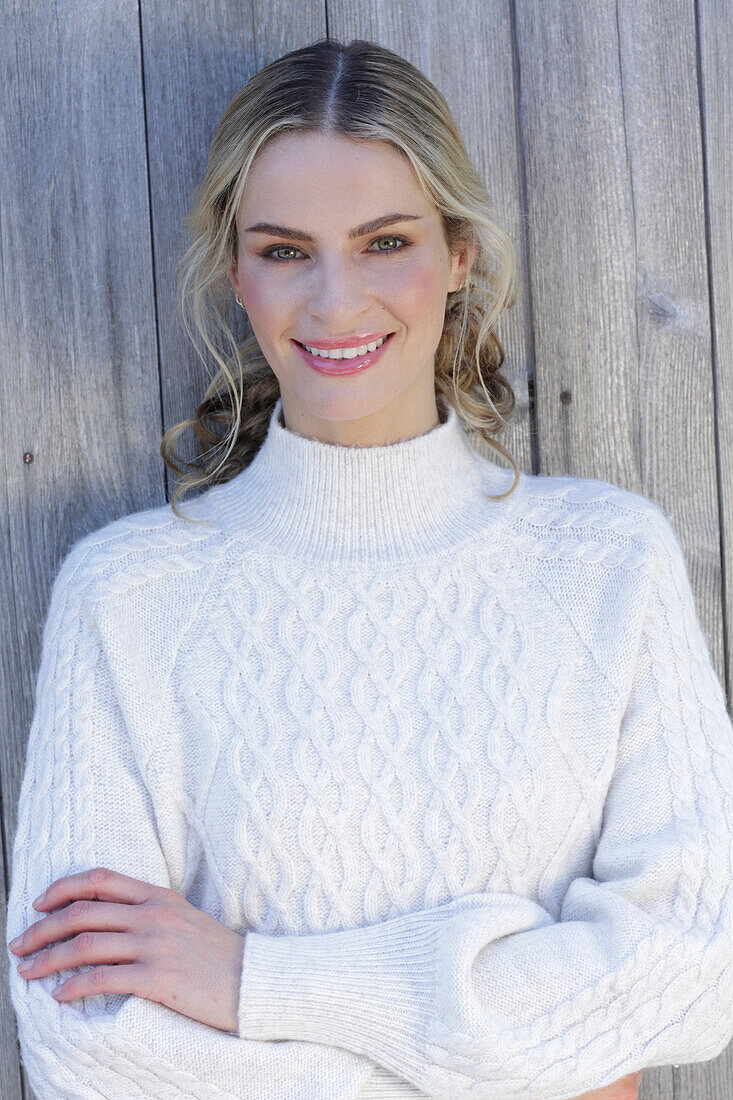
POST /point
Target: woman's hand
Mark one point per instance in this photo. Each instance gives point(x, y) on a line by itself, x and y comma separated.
point(625, 1089)
point(150, 941)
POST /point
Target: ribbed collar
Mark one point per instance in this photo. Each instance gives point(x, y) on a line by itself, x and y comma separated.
point(308, 500)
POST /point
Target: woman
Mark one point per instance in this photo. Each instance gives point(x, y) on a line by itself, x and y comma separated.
point(379, 771)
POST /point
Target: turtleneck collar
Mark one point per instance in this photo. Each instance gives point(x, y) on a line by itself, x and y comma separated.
point(309, 500)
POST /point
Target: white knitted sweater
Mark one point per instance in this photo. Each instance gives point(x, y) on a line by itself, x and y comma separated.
point(460, 769)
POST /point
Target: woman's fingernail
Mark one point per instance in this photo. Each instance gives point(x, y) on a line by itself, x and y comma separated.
point(25, 966)
point(39, 899)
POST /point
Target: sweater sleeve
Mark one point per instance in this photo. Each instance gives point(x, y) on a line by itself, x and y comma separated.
point(491, 997)
point(82, 804)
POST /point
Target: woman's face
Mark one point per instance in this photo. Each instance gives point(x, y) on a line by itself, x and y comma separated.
point(390, 279)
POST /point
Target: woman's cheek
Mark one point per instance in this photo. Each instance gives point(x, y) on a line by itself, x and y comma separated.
point(418, 287)
point(254, 291)
point(267, 301)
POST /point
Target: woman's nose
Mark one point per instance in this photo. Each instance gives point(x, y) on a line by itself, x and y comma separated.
point(337, 289)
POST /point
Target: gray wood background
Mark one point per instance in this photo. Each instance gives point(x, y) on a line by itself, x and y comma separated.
point(604, 132)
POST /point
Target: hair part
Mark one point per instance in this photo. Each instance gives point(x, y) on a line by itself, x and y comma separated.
point(365, 92)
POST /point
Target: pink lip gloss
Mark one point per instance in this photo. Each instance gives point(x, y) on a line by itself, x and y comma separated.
point(343, 366)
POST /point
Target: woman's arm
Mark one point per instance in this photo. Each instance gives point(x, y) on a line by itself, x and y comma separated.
point(83, 804)
point(489, 997)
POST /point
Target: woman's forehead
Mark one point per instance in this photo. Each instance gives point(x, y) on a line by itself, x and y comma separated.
point(307, 181)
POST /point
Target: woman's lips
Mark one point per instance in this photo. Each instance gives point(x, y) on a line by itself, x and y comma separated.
point(354, 340)
point(343, 366)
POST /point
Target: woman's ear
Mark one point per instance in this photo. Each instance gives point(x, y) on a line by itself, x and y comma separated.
point(462, 264)
point(232, 276)
point(468, 256)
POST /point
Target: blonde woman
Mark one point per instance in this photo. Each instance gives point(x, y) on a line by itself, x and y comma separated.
point(378, 769)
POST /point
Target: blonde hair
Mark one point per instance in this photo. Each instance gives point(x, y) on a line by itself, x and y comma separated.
point(365, 92)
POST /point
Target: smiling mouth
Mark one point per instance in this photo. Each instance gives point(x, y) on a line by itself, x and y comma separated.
point(343, 365)
point(342, 358)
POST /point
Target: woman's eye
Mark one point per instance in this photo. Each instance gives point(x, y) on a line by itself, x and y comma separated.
point(270, 252)
point(404, 244)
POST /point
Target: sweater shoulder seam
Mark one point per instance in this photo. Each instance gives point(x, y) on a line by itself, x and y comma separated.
point(638, 519)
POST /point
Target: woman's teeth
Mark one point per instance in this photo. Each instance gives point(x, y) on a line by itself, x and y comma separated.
point(346, 353)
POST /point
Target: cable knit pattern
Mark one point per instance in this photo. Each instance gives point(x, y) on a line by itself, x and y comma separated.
point(458, 769)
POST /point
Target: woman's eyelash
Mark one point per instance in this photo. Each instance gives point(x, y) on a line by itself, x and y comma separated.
point(269, 252)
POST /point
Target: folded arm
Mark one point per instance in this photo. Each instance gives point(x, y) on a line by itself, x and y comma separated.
point(489, 997)
point(83, 803)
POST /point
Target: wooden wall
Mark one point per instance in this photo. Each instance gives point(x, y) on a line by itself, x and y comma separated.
point(603, 130)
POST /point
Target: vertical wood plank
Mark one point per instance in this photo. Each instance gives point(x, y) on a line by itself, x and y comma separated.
point(79, 379)
point(715, 51)
point(580, 239)
point(674, 369)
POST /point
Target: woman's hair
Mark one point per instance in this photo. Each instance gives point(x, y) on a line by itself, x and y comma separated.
point(364, 92)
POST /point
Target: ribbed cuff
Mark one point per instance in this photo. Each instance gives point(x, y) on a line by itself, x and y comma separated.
point(369, 990)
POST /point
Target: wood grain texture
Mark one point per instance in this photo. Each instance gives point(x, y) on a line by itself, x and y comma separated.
point(79, 379)
point(715, 68)
point(603, 133)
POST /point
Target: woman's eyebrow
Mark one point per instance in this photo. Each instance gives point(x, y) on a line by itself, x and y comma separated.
point(359, 231)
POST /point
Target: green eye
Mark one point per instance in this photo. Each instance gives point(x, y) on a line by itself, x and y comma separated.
point(387, 239)
point(280, 248)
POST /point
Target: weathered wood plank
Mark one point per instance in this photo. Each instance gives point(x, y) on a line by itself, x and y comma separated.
point(79, 378)
point(675, 382)
point(715, 36)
